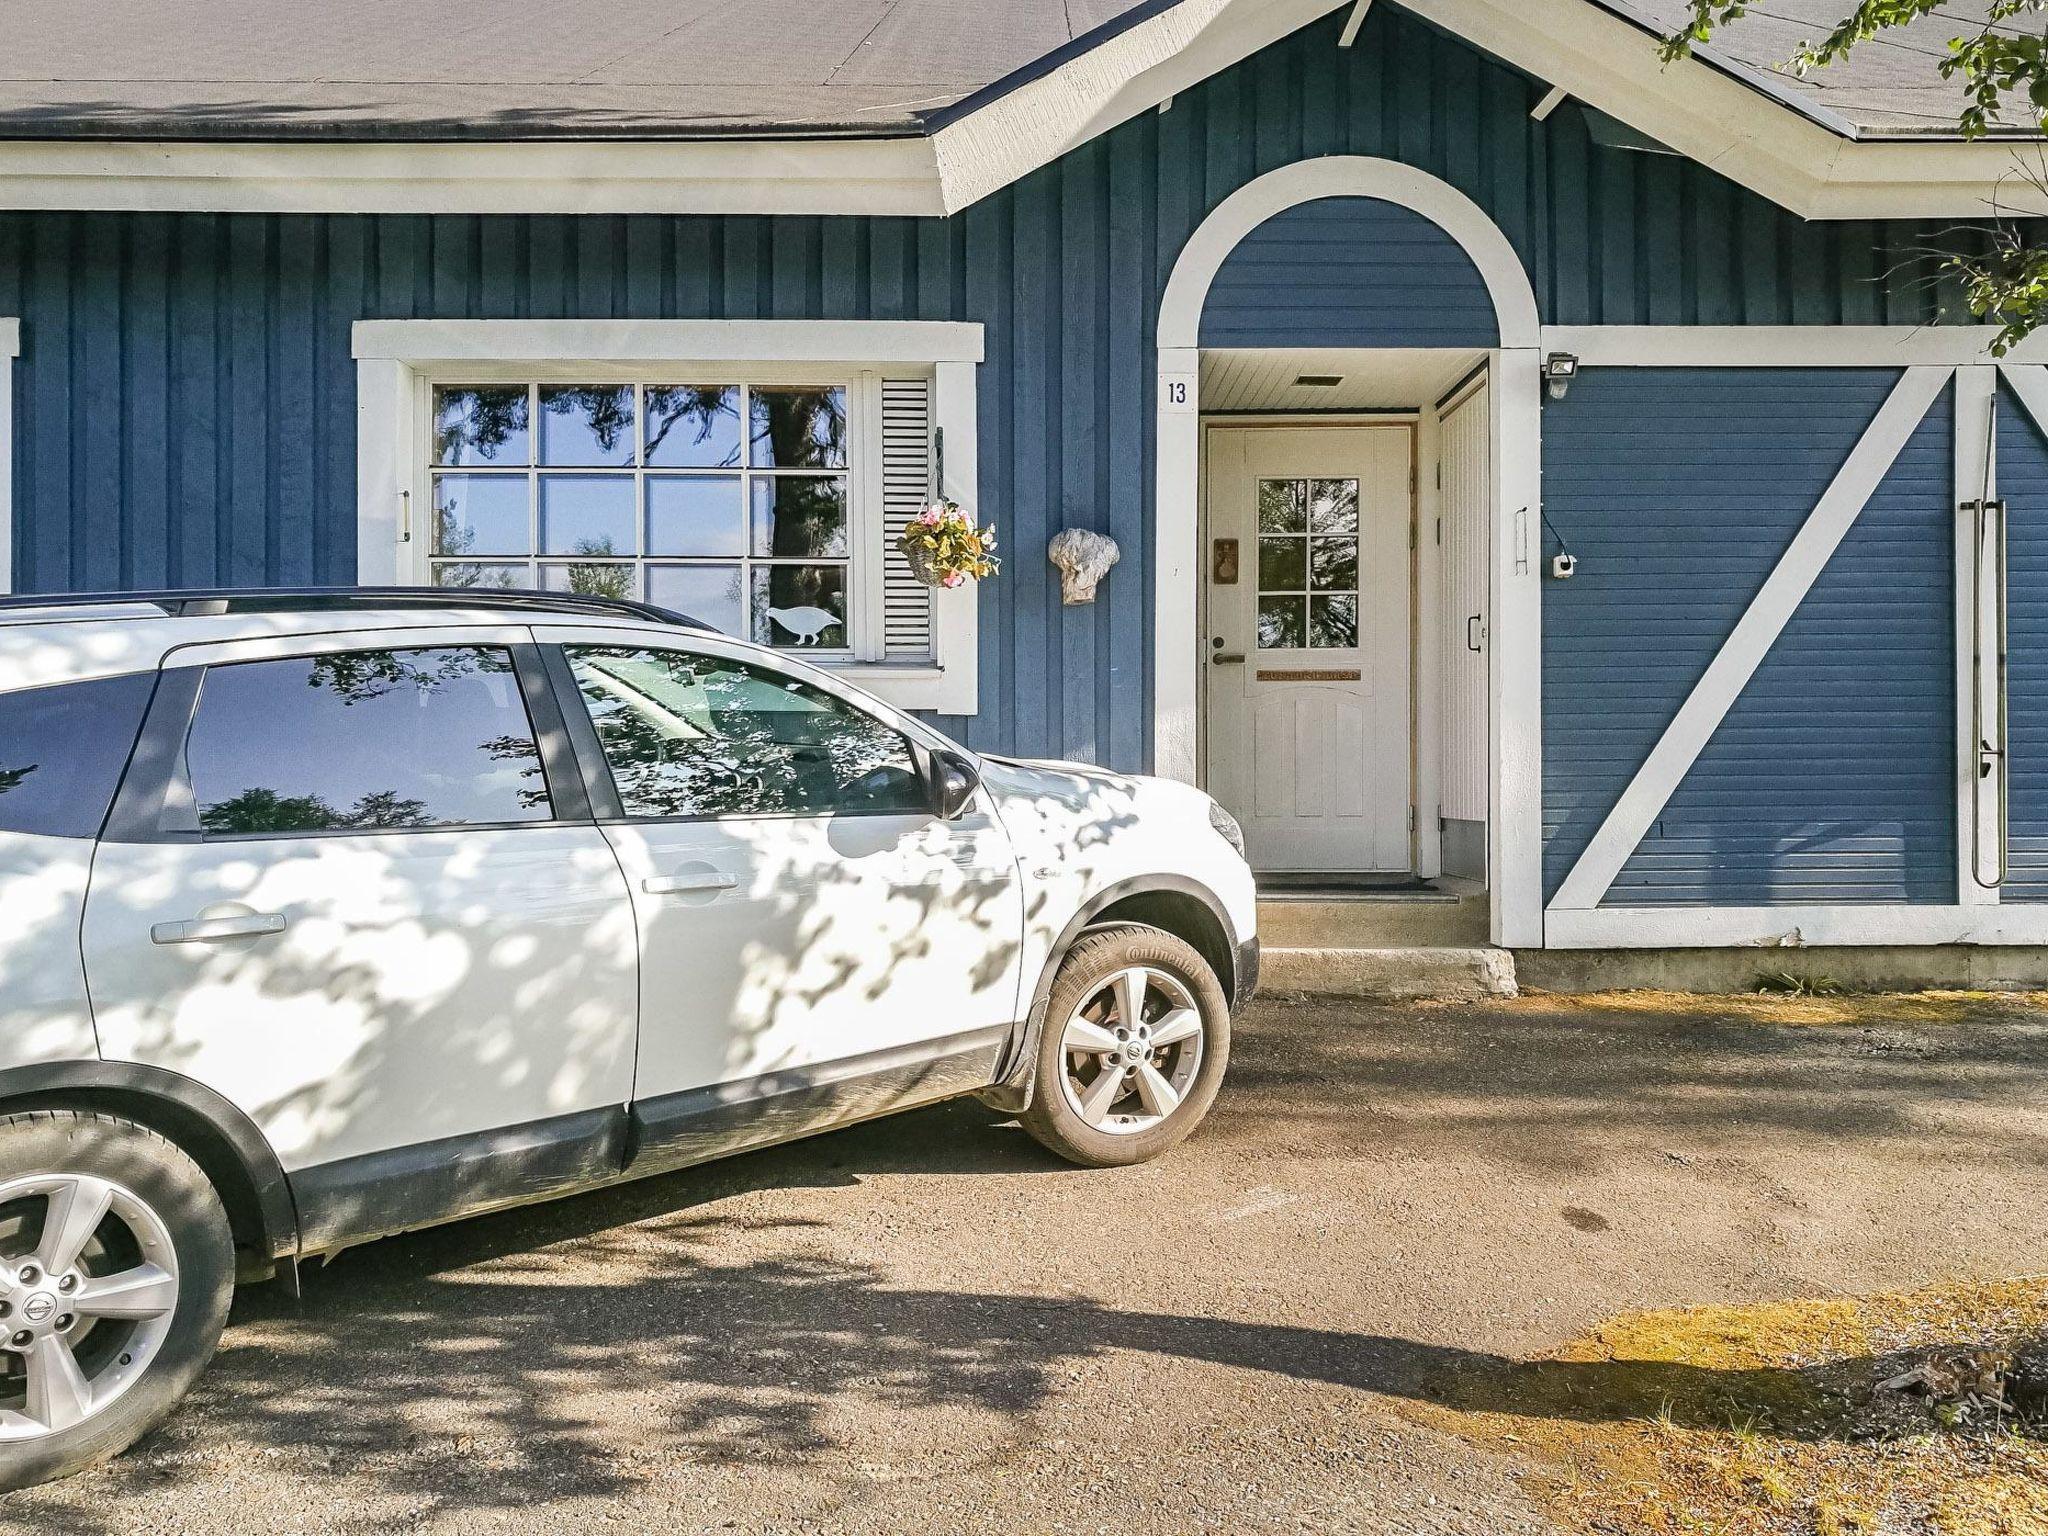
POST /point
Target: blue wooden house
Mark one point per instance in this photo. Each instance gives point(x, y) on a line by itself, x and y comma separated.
point(1526, 461)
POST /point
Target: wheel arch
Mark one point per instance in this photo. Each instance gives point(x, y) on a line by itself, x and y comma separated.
point(223, 1141)
point(1185, 908)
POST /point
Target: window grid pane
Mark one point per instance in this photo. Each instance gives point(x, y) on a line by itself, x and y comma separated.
point(1308, 583)
point(778, 569)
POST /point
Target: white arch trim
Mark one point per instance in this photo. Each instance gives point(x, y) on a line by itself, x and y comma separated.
point(1515, 719)
point(1187, 290)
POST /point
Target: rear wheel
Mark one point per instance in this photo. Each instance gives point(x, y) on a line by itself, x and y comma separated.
point(1136, 1038)
point(116, 1268)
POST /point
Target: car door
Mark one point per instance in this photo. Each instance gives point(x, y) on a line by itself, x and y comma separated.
point(352, 885)
point(816, 943)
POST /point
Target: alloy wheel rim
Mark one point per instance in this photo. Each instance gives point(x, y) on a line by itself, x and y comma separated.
point(1130, 1050)
point(85, 1306)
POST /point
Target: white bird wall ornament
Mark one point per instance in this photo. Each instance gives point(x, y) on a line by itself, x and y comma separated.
point(806, 623)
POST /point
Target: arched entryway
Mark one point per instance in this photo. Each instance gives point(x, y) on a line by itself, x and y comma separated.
point(1341, 332)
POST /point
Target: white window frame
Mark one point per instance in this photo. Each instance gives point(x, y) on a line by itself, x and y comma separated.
point(10, 349)
point(398, 363)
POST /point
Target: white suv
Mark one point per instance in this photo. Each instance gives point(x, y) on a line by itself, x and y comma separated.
point(329, 914)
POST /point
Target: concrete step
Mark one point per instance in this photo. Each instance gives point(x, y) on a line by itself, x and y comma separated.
point(1345, 922)
point(1452, 973)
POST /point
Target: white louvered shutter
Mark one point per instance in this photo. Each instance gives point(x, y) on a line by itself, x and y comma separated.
point(906, 491)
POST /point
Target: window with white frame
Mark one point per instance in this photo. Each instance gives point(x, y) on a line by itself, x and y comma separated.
point(759, 485)
point(731, 501)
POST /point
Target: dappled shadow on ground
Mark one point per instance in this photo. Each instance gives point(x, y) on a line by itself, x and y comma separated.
point(1543, 1081)
point(569, 1349)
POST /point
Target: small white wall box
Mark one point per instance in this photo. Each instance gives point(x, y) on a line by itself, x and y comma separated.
point(1562, 566)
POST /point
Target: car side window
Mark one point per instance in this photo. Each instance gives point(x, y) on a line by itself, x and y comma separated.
point(62, 750)
point(356, 741)
point(692, 735)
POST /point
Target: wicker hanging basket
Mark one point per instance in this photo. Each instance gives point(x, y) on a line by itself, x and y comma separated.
point(919, 558)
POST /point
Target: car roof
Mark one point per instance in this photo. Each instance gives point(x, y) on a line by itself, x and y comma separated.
point(66, 638)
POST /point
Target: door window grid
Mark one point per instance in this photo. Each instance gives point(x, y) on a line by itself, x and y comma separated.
point(1308, 564)
point(728, 501)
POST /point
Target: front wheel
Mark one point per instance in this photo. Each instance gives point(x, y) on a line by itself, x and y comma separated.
point(1136, 1037)
point(116, 1267)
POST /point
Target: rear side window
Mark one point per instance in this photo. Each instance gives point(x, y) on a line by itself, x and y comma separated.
point(363, 741)
point(62, 750)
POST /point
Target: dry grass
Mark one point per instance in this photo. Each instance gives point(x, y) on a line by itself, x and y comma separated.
point(1767, 1420)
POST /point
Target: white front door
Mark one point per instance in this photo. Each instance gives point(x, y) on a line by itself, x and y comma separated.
point(1308, 642)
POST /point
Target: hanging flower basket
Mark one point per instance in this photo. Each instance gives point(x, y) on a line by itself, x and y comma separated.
point(945, 549)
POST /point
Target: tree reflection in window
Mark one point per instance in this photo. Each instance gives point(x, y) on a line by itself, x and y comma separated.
point(363, 741)
point(689, 735)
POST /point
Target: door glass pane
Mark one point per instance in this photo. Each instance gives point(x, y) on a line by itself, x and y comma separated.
point(695, 515)
point(800, 605)
point(1283, 623)
point(693, 426)
point(1283, 565)
point(481, 426)
point(800, 515)
point(1333, 622)
point(689, 735)
point(363, 740)
point(587, 425)
point(1333, 506)
point(1334, 564)
point(482, 515)
point(711, 594)
point(799, 428)
point(586, 515)
point(1283, 506)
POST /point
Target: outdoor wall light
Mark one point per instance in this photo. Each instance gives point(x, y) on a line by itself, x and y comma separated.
point(1559, 369)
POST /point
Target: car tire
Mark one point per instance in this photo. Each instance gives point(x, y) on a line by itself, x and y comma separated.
point(1084, 1115)
point(135, 1300)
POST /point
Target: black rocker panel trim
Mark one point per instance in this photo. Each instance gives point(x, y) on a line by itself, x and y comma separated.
point(675, 1130)
point(377, 1194)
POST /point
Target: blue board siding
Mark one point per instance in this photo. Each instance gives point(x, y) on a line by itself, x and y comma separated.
point(185, 403)
point(1349, 272)
point(1678, 489)
point(2023, 483)
point(1832, 778)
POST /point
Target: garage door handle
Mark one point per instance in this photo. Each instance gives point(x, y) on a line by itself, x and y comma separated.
point(207, 930)
point(671, 885)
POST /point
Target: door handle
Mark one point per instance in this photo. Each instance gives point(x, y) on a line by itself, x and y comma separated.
point(671, 885)
point(1475, 633)
point(207, 930)
point(1228, 658)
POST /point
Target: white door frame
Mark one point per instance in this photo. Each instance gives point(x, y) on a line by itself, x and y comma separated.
point(1515, 777)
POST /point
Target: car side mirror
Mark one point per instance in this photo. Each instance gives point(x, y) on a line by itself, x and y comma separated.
point(951, 781)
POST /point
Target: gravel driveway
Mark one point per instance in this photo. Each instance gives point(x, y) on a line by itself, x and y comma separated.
point(926, 1324)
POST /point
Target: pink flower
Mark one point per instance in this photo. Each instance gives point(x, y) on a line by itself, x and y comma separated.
point(952, 579)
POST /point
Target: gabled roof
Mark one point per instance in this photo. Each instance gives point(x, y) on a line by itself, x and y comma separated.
point(641, 69)
point(917, 107)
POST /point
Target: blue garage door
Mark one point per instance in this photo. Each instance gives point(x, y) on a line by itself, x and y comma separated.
point(1831, 778)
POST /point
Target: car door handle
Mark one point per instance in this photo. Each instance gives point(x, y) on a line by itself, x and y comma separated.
point(207, 930)
point(670, 885)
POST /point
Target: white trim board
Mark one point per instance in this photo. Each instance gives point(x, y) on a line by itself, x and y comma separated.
point(669, 341)
point(1736, 662)
point(397, 362)
point(10, 349)
point(1773, 930)
point(1781, 346)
